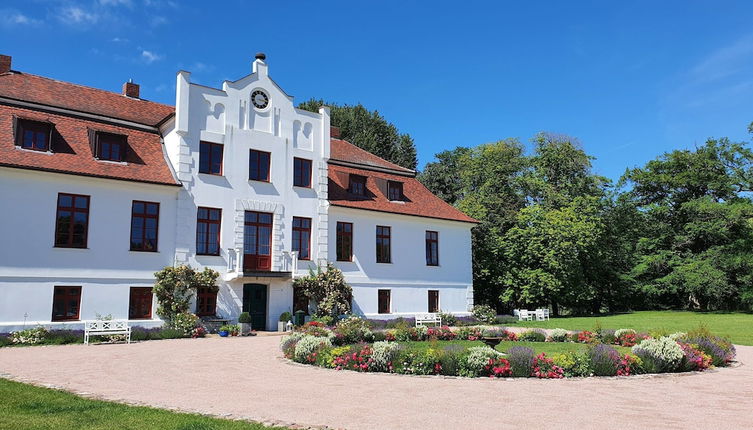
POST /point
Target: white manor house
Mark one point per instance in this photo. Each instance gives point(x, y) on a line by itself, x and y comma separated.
point(99, 190)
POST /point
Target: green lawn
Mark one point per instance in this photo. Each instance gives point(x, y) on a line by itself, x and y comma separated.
point(738, 327)
point(549, 348)
point(29, 407)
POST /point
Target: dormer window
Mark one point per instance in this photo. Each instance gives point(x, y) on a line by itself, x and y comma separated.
point(110, 146)
point(395, 191)
point(357, 185)
point(34, 135)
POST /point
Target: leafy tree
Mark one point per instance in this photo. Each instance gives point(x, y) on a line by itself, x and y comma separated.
point(370, 131)
point(328, 289)
point(442, 176)
point(695, 252)
point(176, 286)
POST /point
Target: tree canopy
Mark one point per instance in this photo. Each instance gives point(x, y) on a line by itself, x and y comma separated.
point(675, 233)
point(369, 130)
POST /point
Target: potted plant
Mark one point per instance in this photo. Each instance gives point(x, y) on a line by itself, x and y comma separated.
point(225, 330)
point(245, 322)
point(284, 318)
point(235, 329)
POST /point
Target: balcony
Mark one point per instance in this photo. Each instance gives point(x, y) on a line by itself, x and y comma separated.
point(236, 269)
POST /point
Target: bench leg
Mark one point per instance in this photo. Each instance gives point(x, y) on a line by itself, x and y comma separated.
point(86, 338)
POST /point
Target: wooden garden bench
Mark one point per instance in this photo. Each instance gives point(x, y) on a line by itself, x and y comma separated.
point(106, 328)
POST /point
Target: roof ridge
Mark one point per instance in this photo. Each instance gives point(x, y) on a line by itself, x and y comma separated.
point(87, 87)
point(390, 164)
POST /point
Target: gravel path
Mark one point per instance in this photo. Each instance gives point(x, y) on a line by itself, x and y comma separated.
point(247, 378)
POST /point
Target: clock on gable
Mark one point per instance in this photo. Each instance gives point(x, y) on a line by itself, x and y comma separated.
point(260, 99)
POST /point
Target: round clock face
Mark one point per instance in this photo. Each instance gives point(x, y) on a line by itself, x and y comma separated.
point(260, 99)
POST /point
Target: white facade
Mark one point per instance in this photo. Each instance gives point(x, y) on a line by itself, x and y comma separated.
point(30, 266)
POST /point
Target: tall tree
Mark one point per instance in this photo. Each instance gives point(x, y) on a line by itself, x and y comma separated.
point(696, 250)
point(369, 130)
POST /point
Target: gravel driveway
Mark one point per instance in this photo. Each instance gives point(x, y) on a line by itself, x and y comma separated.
point(248, 378)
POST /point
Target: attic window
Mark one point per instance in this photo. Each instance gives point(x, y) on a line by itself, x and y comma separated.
point(110, 147)
point(395, 191)
point(34, 135)
point(357, 185)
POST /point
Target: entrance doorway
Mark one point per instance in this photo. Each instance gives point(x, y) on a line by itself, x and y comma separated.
point(255, 303)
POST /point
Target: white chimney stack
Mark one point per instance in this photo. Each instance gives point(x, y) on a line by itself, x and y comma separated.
point(260, 66)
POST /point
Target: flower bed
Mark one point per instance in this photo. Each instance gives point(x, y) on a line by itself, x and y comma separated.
point(352, 345)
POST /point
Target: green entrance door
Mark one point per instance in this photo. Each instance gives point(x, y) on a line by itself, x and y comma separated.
point(255, 303)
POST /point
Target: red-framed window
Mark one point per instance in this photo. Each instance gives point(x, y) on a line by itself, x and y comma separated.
point(72, 221)
point(432, 248)
point(258, 166)
point(208, 221)
point(433, 301)
point(140, 303)
point(383, 245)
point(344, 241)
point(206, 302)
point(384, 301)
point(210, 158)
point(144, 226)
point(302, 237)
point(34, 135)
point(257, 241)
point(110, 146)
point(301, 172)
point(66, 303)
point(395, 190)
point(357, 185)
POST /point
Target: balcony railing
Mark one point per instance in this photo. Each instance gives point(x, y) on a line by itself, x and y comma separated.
point(235, 263)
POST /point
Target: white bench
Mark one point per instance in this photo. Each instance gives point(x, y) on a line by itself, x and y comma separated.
point(106, 328)
point(422, 319)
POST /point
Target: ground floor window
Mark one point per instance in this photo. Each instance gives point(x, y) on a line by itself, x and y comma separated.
point(433, 301)
point(66, 303)
point(300, 301)
point(384, 301)
point(206, 302)
point(140, 304)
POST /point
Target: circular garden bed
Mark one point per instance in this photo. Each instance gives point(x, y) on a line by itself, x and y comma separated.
point(464, 351)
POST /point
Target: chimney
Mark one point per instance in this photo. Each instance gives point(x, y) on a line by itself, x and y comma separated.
point(5, 63)
point(259, 66)
point(334, 132)
point(130, 89)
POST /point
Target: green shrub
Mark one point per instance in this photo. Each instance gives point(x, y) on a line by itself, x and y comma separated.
point(573, 364)
point(398, 322)
point(476, 358)
point(659, 355)
point(559, 335)
point(308, 346)
point(352, 330)
point(607, 336)
point(185, 322)
point(379, 336)
point(287, 343)
point(284, 317)
point(5, 341)
point(452, 359)
point(536, 335)
point(327, 320)
point(30, 336)
point(245, 318)
point(448, 319)
point(64, 337)
point(423, 362)
point(484, 313)
point(171, 333)
point(383, 355)
point(506, 319)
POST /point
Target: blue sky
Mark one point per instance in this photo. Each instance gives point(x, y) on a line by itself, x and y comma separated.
point(629, 79)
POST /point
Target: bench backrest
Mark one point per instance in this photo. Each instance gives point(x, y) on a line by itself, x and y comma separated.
point(427, 317)
point(103, 325)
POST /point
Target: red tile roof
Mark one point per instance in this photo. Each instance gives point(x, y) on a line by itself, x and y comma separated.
point(72, 152)
point(37, 89)
point(419, 201)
